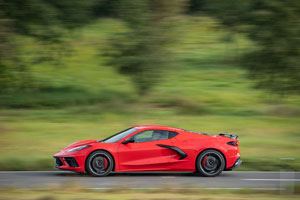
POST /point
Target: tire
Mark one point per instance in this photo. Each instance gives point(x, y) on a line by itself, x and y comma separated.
point(96, 161)
point(210, 163)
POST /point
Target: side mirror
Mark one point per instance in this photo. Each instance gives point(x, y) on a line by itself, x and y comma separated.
point(128, 140)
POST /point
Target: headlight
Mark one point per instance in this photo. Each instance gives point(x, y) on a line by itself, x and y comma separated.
point(79, 148)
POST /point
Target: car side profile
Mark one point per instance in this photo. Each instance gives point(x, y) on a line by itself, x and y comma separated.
point(153, 148)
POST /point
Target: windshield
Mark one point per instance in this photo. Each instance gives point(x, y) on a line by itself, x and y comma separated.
point(118, 136)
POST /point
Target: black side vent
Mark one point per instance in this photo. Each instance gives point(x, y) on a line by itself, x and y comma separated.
point(71, 162)
point(176, 149)
point(58, 162)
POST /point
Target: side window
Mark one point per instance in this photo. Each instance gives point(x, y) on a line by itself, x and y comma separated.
point(172, 134)
point(144, 136)
point(151, 135)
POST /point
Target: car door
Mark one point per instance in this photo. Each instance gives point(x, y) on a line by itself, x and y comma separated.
point(147, 152)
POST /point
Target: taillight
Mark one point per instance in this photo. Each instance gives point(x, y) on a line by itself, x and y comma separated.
point(233, 143)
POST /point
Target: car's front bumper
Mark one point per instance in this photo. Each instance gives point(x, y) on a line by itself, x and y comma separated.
point(70, 161)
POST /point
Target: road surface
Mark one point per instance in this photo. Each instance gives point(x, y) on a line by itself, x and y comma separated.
point(227, 180)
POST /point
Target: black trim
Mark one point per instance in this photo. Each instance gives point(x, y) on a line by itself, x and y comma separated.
point(232, 136)
point(194, 132)
point(236, 164)
point(179, 151)
point(57, 168)
point(172, 134)
point(71, 162)
point(58, 162)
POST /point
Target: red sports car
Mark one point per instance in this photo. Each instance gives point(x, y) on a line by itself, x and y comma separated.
point(153, 148)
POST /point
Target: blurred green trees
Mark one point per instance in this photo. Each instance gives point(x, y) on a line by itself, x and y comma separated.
point(43, 20)
point(142, 53)
point(275, 27)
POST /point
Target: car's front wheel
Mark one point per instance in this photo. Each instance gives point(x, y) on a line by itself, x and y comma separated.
point(99, 163)
point(210, 163)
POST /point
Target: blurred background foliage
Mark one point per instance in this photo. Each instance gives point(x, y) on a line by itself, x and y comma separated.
point(72, 70)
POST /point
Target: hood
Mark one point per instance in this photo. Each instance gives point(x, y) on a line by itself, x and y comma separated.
point(84, 142)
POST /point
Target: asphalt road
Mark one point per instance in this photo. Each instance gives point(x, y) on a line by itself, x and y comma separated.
point(227, 180)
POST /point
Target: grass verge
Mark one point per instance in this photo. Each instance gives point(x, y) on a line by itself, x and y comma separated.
point(72, 192)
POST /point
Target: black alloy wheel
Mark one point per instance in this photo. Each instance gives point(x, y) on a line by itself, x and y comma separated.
point(99, 163)
point(210, 163)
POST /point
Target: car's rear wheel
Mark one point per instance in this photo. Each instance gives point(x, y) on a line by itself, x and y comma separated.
point(210, 163)
point(99, 163)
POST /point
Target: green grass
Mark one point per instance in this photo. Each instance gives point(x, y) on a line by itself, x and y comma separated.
point(70, 191)
point(206, 90)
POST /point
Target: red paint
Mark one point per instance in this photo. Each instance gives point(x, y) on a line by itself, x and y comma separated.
point(147, 156)
point(204, 161)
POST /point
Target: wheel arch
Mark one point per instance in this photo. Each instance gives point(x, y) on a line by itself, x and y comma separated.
point(211, 149)
point(113, 169)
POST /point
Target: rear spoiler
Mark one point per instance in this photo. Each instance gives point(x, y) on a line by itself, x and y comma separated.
point(232, 136)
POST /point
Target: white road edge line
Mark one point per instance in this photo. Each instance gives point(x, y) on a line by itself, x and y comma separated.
point(260, 179)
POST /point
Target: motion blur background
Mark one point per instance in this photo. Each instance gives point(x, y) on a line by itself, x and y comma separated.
point(73, 70)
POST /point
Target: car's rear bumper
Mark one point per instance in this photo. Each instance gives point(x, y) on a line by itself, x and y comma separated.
point(236, 164)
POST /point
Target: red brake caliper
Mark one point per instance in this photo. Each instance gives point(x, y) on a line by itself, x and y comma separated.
point(105, 163)
point(204, 161)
